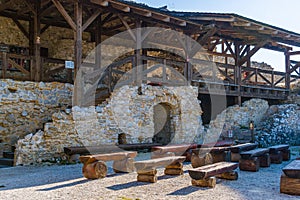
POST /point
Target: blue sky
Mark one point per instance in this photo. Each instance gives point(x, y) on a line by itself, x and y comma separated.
point(284, 14)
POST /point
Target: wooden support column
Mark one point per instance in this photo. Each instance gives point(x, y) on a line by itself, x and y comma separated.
point(237, 72)
point(78, 52)
point(138, 51)
point(37, 42)
point(287, 70)
point(4, 64)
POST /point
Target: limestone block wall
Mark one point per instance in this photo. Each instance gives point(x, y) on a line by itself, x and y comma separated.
point(26, 106)
point(126, 112)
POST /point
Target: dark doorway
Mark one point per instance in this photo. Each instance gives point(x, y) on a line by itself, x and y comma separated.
point(162, 124)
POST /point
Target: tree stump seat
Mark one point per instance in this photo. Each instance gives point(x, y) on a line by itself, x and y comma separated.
point(235, 150)
point(279, 153)
point(205, 176)
point(173, 150)
point(254, 159)
point(94, 166)
point(146, 169)
point(290, 179)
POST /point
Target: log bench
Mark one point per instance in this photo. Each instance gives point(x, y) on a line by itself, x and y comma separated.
point(236, 150)
point(173, 150)
point(254, 159)
point(290, 179)
point(205, 156)
point(94, 166)
point(205, 176)
point(279, 153)
point(146, 169)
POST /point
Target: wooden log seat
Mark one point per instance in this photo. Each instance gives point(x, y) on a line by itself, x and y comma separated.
point(254, 159)
point(94, 166)
point(279, 153)
point(237, 149)
point(146, 169)
point(205, 176)
point(173, 150)
point(204, 156)
point(290, 179)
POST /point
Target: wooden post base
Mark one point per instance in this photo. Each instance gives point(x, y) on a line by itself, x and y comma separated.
point(94, 170)
point(235, 157)
point(286, 155)
point(289, 185)
point(147, 175)
point(174, 169)
point(207, 182)
point(123, 166)
point(228, 175)
point(251, 164)
point(219, 156)
point(276, 158)
point(265, 160)
point(201, 160)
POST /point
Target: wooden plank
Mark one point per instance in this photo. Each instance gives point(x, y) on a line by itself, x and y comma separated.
point(21, 27)
point(281, 147)
point(108, 156)
point(254, 153)
point(91, 20)
point(292, 170)
point(174, 148)
point(158, 162)
point(212, 170)
point(17, 66)
point(243, 147)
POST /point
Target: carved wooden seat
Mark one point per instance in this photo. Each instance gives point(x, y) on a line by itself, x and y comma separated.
point(237, 149)
point(290, 179)
point(253, 159)
point(94, 166)
point(205, 176)
point(146, 169)
point(173, 150)
point(279, 153)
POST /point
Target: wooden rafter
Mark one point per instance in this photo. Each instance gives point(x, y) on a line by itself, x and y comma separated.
point(251, 52)
point(64, 13)
point(21, 27)
point(91, 19)
point(127, 27)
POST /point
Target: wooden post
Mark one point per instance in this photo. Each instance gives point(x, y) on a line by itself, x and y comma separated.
point(37, 41)
point(78, 51)
point(139, 69)
point(287, 70)
point(237, 74)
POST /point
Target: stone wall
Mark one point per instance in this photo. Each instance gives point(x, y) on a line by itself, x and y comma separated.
point(126, 112)
point(26, 106)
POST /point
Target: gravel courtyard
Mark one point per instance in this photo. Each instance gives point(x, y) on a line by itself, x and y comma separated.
point(66, 182)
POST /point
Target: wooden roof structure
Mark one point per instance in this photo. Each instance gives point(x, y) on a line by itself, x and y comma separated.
point(240, 37)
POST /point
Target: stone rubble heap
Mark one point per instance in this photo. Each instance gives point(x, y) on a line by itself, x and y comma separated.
point(236, 118)
point(280, 126)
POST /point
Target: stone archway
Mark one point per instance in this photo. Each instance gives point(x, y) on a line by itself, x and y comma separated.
point(163, 126)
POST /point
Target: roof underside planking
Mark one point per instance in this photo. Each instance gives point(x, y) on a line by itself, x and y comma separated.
point(228, 26)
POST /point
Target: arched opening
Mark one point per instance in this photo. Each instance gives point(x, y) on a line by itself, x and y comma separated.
point(163, 126)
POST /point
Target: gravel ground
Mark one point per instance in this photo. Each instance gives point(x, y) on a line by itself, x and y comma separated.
point(66, 182)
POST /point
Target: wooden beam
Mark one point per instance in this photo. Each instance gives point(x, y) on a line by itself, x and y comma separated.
point(127, 26)
point(36, 42)
point(91, 20)
point(161, 17)
point(21, 27)
point(78, 35)
point(252, 52)
point(64, 13)
point(47, 9)
point(145, 13)
point(103, 3)
point(29, 6)
point(120, 7)
point(6, 5)
point(44, 28)
point(107, 18)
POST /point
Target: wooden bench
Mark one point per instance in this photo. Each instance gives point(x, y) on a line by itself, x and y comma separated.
point(236, 150)
point(94, 166)
point(173, 150)
point(254, 159)
point(205, 156)
point(290, 179)
point(146, 169)
point(205, 176)
point(279, 153)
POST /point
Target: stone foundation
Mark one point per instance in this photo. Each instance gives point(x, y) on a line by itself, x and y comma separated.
point(126, 112)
